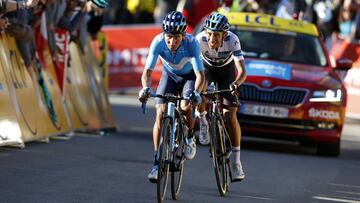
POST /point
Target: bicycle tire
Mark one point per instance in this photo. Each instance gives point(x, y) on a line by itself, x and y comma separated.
point(164, 155)
point(218, 156)
point(228, 150)
point(178, 161)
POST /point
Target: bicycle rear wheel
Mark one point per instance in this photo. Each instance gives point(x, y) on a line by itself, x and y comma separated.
point(177, 169)
point(218, 152)
point(164, 156)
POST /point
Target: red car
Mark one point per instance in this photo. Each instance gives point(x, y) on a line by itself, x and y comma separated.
point(292, 92)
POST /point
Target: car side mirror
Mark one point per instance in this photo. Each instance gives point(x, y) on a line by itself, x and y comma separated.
point(343, 64)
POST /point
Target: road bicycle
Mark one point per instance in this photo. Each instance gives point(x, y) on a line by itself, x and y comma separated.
point(220, 143)
point(171, 146)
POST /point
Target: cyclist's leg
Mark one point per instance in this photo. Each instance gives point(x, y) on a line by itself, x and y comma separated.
point(204, 135)
point(234, 130)
point(160, 109)
point(231, 105)
point(187, 110)
point(233, 125)
point(166, 85)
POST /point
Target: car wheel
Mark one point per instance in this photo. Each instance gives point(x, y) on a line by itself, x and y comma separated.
point(328, 149)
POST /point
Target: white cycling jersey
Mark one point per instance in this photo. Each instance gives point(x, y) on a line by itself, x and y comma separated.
point(229, 50)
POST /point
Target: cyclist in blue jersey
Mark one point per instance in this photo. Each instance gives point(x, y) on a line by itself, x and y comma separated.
point(224, 64)
point(183, 71)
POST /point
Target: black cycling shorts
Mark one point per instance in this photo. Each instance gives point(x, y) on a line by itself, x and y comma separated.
point(170, 83)
point(223, 76)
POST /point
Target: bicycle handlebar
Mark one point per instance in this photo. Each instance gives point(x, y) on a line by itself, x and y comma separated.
point(167, 97)
point(209, 93)
point(216, 92)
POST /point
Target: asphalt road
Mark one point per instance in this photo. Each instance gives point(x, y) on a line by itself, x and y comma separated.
point(114, 168)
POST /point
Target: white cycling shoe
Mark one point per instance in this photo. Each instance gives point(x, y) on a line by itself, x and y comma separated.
point(190, 148)
point(204, 137)
point(237, 172)
point(153, 175)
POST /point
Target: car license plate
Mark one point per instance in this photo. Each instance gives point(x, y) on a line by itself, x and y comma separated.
point(267, 111)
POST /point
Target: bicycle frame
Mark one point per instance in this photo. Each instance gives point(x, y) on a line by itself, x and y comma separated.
point(173, 143)
point(220, 143)
point(171, 110)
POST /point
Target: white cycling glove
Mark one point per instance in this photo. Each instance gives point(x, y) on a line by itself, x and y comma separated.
point(144, 94)
point(195, 97)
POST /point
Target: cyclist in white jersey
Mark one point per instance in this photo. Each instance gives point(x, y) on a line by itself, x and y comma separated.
point(224, 64)
point(183, 72)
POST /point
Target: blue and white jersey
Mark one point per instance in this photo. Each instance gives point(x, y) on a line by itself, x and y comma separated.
point(230, 49)
point(183, 61)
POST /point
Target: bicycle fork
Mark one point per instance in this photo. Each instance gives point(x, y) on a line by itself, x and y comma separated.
point(171, 114)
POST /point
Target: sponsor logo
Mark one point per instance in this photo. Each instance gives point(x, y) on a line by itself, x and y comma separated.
point(315, 113)
point(268, 69)
point(261, 20)
point(266, 83)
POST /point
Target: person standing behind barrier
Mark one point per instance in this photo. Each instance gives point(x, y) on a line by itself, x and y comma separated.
point(19, 27)
point(142, 10)
point(163, 7)
point(222, 56)
point(182, 71)
point(195, 10)
point(291, 9)
point(349, 19)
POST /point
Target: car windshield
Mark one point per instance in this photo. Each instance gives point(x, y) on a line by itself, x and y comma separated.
point(285, 47)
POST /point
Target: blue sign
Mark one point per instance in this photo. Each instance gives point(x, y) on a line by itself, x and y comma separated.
point(268, 69)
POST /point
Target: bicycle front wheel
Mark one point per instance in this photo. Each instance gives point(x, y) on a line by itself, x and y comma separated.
point(164, 156)
point(177, 167)
point(218, 152)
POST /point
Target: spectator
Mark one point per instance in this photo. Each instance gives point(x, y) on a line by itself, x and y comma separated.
point(325, 17)
point(163, 7)
point(142, 10)
point(291, 9)
point(4, 23)
point(195, 10)
point(347, 19)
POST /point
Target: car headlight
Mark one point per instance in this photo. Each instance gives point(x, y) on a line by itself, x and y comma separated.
point(326, 96)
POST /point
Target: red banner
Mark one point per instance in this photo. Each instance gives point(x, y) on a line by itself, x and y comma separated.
point(62, 38)
point(128, 49)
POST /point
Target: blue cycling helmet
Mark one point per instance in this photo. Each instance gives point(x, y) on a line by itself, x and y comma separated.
point(174, 23)
point(101, 3)
point(217, 22)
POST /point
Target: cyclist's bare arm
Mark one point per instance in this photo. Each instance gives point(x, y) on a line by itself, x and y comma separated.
point(146, 78)
point(200, 81)
point(241, 72)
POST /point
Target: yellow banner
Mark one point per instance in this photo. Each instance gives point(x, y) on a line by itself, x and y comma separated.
point(78, 96)
point(32, 113)
point(96, 74)
point(259, 20)
point(10, 132)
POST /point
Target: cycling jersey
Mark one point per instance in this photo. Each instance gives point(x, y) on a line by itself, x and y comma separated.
point(185, 60)
point(229, 50)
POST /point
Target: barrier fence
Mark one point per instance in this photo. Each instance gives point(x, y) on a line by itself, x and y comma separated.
point(37, 104)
